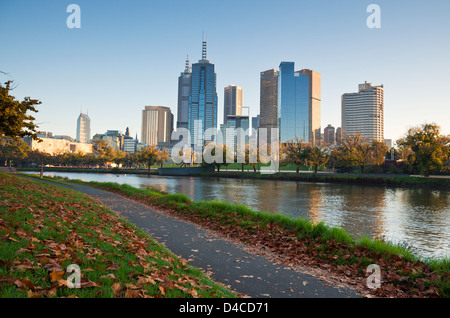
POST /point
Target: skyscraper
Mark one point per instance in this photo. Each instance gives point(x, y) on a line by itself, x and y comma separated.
point(298, 104)
point(363, 112)
point(184, 89)
point(157, 125)
point(202, 99)
point(268, 109)
point(233, 101)
point(315, 101)
point(83, 128)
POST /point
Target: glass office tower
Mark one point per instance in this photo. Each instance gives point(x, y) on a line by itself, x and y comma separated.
point(298, 104)
point(293, 104)
point(202, 99)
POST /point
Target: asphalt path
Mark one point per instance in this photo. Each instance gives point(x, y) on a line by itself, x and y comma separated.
point(226, 262)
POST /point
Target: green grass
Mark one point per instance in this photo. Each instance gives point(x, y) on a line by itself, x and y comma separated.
point(44, 228)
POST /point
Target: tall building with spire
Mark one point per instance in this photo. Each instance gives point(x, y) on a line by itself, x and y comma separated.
point(83, 128)
point(184, 89)
point(202, 99)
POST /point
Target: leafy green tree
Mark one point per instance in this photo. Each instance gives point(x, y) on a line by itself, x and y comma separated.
point(13, 149)
point(430, 149)
point(15, 120)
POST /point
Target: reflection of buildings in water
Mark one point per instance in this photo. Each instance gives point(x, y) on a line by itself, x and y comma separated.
point(424, 219)
point(188, 186)
point(269, 195)
point(315, 209)
point(358, 210)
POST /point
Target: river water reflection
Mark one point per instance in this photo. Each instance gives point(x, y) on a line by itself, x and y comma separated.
point(418, 217)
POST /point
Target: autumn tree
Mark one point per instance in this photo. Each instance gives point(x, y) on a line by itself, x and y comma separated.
point(430, 149)
point(163, 156)
point(316, 156)
point(103, 150)
point(148, 155)
point(379, 150)
point(294, 152)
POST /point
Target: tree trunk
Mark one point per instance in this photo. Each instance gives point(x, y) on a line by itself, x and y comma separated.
point(298, 168)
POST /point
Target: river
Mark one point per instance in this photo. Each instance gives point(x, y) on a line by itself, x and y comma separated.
point(418, 218)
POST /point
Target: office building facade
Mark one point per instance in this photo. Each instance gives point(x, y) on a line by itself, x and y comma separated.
point(329, 134)
point(157, 125)
point(298, 104)
point(268, 107)
point(363, 112)
point(233, 101)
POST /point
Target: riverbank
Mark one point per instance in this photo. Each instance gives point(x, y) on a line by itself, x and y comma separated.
point(357, 179)
point(44, 229)
point(299, 243)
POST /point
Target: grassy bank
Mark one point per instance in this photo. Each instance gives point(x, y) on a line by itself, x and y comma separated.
point(366, 179)
point(44, 229)
point(299, 242)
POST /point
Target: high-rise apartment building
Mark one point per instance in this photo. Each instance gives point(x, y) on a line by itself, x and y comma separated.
point(233, 101)
point(363, 112)
point(268, 110)
point(298, 104)
point(202, 99)
point(157, 125)
point(184, 89)
point(83, 128)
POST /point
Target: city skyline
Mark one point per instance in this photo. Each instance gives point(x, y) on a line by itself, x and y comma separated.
point(118, 62)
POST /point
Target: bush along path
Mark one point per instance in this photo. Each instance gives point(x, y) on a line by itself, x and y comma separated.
point(330, 253)
point(44, 229)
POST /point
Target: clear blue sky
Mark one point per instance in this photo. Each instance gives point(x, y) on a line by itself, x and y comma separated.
point(129, 54)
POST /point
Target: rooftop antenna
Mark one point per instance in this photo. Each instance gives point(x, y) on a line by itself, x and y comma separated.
point(187, 68)
point(204, 45)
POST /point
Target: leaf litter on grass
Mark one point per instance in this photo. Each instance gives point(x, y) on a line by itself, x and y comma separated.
point(44, 229)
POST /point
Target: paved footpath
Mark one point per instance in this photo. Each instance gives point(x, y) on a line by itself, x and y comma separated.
point(226, 262)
